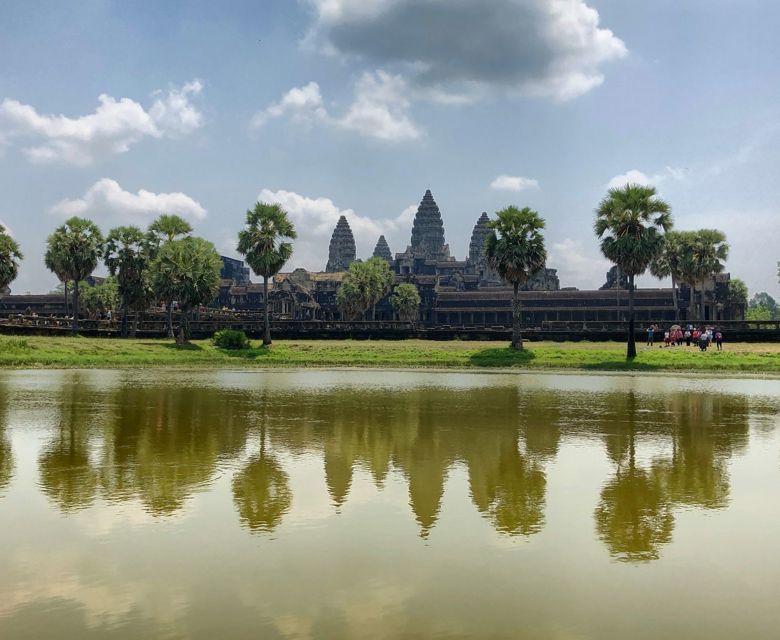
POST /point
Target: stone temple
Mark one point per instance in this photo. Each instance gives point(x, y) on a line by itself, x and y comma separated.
point(341, 252)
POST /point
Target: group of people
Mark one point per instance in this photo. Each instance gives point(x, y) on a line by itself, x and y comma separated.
point(677, 336)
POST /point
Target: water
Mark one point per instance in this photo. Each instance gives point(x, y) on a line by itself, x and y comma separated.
point(387, 505)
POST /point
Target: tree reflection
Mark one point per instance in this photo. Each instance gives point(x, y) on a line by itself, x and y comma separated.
point(68, 477)
point(6, 455)
point(261, 492)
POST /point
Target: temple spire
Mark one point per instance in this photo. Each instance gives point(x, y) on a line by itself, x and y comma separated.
point(341, 252)
point(478, 236)
point(382, 249)
point(428, 228)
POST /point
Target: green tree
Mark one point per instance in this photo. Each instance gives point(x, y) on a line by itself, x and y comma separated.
point(10, 256)
point(186, 270)
point(630, 221)
point(165, 229)
point(668, 263)
point(264, 241)
point(406, 302)
point(101, 297)
point(762, 306)
point(364, 285)
point(515, 250)
point(127, 255)
point(75, 248)
point(55, 262)
point(704, 255)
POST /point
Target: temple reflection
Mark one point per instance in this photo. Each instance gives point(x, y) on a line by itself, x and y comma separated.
point(161, 444)
point(6, 455)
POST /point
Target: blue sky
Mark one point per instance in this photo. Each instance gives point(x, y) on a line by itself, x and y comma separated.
point(119, 111)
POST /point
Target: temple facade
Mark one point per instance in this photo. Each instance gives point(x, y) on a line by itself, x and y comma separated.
point(341, 252)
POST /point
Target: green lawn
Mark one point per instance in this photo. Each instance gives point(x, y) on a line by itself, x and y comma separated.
point(63, 352)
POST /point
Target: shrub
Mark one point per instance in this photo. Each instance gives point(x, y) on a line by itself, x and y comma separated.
point(230, 339)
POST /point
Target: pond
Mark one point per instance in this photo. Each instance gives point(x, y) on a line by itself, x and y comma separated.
point(381, 504)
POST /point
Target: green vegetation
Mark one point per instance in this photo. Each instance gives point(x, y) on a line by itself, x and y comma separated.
point(365, 284)
point(264, 241)
point(230, 339)
point(10, 256)
point(515, 249)
point(762, 306)
point(406, 302)
point(66, 352)
point(630, 222)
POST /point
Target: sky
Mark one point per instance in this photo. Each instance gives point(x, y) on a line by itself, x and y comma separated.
point(120, 111)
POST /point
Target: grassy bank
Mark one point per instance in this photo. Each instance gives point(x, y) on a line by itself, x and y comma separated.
point(59, 352)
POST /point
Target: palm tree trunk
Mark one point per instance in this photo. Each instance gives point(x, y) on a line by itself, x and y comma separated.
point(267, 332)
point(170, 318)
point(631, 345)
point(134, 328)
point(674, 298)
point(123, 330)
point(691, 310)
point(75, 325)
point(184, 327)
point(67, 304)
point(517, 336)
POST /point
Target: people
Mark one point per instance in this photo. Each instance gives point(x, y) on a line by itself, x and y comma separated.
point(688, 336)
point(719, 339)
point(703, 341)
point(650, 335)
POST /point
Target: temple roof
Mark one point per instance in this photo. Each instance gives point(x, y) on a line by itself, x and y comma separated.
point(382, 250)
point(428, 228)
point(478, 236)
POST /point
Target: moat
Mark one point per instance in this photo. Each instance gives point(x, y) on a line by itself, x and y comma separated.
point(363, 504)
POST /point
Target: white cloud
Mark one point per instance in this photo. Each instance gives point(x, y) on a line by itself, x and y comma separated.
point(514, 183)
point(537, 48)
point(380, 108)
point(302, 103)
point(576, 265)
point(107, 199)
point(113, 128)
point(634, 176)
point(315, 219)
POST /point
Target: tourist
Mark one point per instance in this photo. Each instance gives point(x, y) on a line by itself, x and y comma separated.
point(719, 340)
point(666, 338)
point(650, 334)
point(688, 336)
point(703, 341)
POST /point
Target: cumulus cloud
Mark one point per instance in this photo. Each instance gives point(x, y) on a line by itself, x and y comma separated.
point(634, 176)
point(578, 266)
point(315, 218)
point(514, 183)
point(380, 108)
point(106, 199)
point(539, 48)
point(113, 128)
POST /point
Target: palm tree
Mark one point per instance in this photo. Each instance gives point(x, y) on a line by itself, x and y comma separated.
point(630, 222)
point(164, 230)
point(187, 270)
point(127, 256)
point(75, 248)
point(10, 255)
point(55, 263)
point(668, 263)
point(515, 250)
point(264, 243)
point(706, 251)
point(406, 302)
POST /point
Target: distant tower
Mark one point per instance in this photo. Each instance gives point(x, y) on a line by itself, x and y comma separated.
point(428, 229)
point(478, 236)
point(382, 250)
point(341, 252)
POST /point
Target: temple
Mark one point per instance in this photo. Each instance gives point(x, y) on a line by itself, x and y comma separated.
point(341, 252)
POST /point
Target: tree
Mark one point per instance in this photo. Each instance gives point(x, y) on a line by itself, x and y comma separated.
point(264, 242)
point(704, 254)
point(99, 298)
point(762, 306)
point(630, 221)
point(515, 250)
point(163, 230)
point(55, 262)
point(406, 302)
point(364, 285)
point(668, 263)
point(74, 248)
point(127, 256)
point(10, 256)
point(187, 270)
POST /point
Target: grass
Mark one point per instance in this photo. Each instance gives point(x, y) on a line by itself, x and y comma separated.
point(65, 352)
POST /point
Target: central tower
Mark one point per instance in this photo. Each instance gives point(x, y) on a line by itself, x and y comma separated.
point(428, 230)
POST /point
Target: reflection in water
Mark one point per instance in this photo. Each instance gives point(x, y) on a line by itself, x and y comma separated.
point(471, 468)
point(6, 455)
